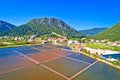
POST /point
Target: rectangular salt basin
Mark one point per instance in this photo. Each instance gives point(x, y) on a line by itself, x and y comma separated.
point(65, 66)
point(7, 54)
point(82, 57)
point(43, 57)
point(45, 48)
point(14, 63)
point(61, 52)
point(22, 48)
point(29, 51)
point(99, 71)
point(35, 72)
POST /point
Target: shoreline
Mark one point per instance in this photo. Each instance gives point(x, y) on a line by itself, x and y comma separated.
point(106, 62)
point(108, 52)
point(99, 51)
point(17, 46)
point(100, 60)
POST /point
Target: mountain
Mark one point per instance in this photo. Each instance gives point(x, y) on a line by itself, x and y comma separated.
point(112, 34)
point(5, 26)
point(94, 31)
point(43, 26)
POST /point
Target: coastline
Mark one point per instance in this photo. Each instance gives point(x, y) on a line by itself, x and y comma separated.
point(108, 52)
point(100, 60)
point(103, 61)
point(99, 51)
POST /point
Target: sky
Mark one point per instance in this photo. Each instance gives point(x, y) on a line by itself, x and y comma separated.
point(79, 14)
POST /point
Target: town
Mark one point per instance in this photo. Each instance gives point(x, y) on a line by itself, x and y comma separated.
point(82, 46)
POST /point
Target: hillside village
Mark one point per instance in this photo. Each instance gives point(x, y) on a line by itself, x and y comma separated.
point(105, 41)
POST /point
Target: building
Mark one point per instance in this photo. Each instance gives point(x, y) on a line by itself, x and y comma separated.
point(79, 47)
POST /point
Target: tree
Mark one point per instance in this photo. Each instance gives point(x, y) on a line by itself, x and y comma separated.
point(84, 50)
point(96, 53)
point(110, 57)
point(88, 52)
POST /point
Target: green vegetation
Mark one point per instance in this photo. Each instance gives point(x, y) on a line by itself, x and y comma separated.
point(2, 44)
point(44, 26)
point(13, 44)
point(87, 53)
point(111, 34)
point(91, 32)
point(103, 46)
point(5, 26)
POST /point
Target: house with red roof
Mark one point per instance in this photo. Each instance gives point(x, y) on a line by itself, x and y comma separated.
point(79, 47)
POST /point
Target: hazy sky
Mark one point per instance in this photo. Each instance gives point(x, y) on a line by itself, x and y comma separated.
point(80, 14)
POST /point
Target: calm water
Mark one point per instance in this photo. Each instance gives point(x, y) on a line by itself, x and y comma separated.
point(100, 71)
point(31, 73)
point(65, 66)
point(82, 57)
point(64, 47)
point(113, 56)
point(7, 52)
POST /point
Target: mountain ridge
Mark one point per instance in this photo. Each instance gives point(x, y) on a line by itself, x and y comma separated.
point(5, 26)
point(111, 34)
point(43, 26)
point(93, 31)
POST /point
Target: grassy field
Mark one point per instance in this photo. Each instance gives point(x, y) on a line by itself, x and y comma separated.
point(103, 46)
point(16, 45)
